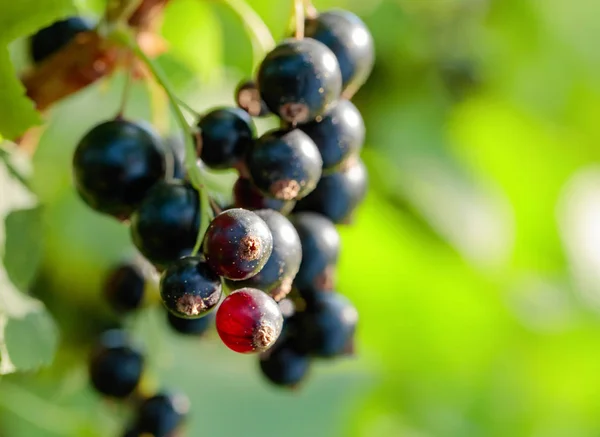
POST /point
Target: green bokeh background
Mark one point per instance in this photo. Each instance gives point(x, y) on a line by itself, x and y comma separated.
point(474, 261)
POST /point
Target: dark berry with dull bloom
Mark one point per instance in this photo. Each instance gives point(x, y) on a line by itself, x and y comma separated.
point(247, 196)
point(284, 366)
point(326, 327)
point(189, 288)
point(115, 165)
point(237, 244)
point(195, 327)
point(166, 225)
point(162, 414)
point(124, 288)
point(51, 39)
point(351, 42)
point(248, 321)
point(320, 251)
point(284, 164)
point(277, 275)
point(299, 80)
point(248, 98)
point(339, 135)
point(337, 195)
point(225, 135)
point(116, 365)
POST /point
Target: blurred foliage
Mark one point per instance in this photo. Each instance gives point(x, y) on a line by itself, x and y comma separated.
point(474, 261)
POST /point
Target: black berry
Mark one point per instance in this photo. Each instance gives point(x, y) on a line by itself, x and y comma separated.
point(115, 164)
point(320, 251)
point(284, 164)
point(161, 414)
point(237, 244)
point(284, 366)
point(166, 225)
point(351, 42)
point(247, 196)
point(299, 80)
point(337, 195)
point(225, 135)
point(248, 98)
point(196, 327)
point(277, 275)
point(116, 365)
point(124, 288)
point(189, 288)
point(51, 39)
point(338, 135)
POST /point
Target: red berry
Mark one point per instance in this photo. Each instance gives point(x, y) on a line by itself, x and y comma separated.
point(249, 320)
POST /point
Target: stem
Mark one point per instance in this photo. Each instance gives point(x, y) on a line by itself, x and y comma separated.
point(188, 108)
point(260, 35)
point(299, 18)
point(192, 169)
point(311, 11)
point(127, 86)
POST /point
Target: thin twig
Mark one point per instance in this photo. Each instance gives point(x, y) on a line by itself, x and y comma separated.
point(299, 17)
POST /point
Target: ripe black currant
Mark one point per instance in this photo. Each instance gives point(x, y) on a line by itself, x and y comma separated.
point(161, 414)
point(299, 80)
point(338, 135)
point(116, 365)
point(51, 39)
point(247, 196)
point(277, 275)
point(189, 288)
point(115, 164)
point(132, 432)
point(348, 37)
point(197, 327)
point(124, 288)
point(284, 164)
point(248, 98)
point(326, 327)
point(320, 251)
point(237, 244)
point(338, 194)
point(226, 134)
point(248, 321)
point(166, 225)
point(284, 366)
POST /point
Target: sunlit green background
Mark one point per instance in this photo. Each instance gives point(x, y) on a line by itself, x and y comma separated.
point(474, 262)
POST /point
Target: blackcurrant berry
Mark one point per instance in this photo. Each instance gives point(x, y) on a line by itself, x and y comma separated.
point(189, 288)
point(247, 196)
point(299, 80)
point(284, 164)
point(115, 165)
point(277, 275)
point(248, 320)
point(320, 251)
point(284, 366)
point(124, 288)
point(337, 195)
point(326, 328)
point(237, 244)
point(351, 42)
point(161, 414)
point(197, 327)
point(225, 135)
point(132, 432)
point(176, 146)
point(338, 135)
point(166, 225)
point(116, 365)
point(51, 39)
point(248, 98)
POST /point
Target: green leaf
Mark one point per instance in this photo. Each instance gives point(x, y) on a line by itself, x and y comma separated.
point(24, 17)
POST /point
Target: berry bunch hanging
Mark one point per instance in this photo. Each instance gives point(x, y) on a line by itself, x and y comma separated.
point(262, 268)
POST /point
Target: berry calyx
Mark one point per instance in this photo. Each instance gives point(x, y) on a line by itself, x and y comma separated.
point(161, 414)
point(124, 288)
point(277, 275)
point(237, 244)
point(51, 39)
point(192, 327)
point(116, 365)
point(248, 98)
point(299, 80)
point(248, 321)
point(225, 135)
point(247, 196)
point(285, 165)
point(189, 288)
point(115, 165)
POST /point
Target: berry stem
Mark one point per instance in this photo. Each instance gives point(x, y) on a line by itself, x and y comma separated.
point(260, 35)
point(128, 61)
point(191, 166)
point(299, 18)
point(309, 8)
